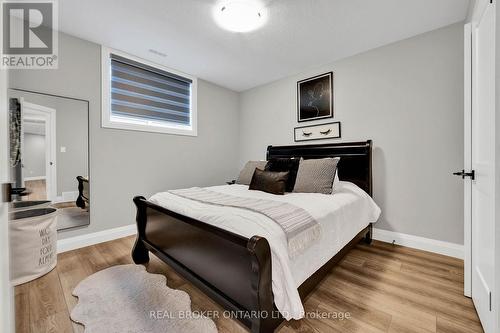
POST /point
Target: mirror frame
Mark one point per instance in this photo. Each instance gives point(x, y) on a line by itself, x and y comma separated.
point(88, 136)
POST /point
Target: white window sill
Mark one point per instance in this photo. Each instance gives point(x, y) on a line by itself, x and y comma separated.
point(180, 130)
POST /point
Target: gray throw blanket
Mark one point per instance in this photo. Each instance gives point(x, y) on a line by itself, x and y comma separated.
point(300, 228)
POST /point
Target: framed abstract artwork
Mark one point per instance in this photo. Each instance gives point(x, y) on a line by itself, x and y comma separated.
point(317, 132)
point(315, 98)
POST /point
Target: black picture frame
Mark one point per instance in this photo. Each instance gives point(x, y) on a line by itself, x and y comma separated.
point(315, 98)
point(314, 136)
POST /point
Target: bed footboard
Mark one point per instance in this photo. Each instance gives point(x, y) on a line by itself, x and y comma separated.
point(231, 269)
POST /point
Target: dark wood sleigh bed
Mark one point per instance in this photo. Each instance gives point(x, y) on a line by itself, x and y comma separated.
point(233, 270)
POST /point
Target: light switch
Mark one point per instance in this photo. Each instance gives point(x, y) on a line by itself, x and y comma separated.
point(63, 149)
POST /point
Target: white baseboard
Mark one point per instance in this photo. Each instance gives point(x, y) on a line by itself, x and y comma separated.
point(27, 179)
point(69, 195)
point(421, 243)
point(416, 242)
point(77, 242)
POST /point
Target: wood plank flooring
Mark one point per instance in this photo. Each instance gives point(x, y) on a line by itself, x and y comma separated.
point(384, 288)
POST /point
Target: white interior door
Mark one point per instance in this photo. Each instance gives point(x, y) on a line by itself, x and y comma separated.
point(483, 163)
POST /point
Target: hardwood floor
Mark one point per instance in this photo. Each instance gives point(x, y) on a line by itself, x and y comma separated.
point(384, 288)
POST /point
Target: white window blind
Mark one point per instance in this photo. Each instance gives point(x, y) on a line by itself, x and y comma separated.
point(142, 92)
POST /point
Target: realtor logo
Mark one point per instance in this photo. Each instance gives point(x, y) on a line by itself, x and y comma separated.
point(29, 34)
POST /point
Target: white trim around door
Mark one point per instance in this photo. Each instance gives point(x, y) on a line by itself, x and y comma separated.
point(467, 158)
point(6, 290)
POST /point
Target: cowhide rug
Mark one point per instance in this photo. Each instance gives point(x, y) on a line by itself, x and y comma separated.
point(128, 299)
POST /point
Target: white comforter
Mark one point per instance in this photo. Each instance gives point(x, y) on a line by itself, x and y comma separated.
point(341, 215)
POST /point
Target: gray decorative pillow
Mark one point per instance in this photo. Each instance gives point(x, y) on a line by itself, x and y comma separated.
point(246, 173)
point(316, 175)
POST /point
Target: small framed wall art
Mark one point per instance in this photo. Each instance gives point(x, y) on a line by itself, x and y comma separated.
point(315, 98)
point(317, 132)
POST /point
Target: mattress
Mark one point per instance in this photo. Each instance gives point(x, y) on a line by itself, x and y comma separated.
point(342, 215)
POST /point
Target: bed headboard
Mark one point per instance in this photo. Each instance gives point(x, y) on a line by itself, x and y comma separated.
point(355, 159)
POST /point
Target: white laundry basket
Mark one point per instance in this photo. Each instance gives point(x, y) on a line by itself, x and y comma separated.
point(25, 205)
point(33, 243)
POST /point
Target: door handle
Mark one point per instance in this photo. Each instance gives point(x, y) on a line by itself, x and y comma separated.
point(8, 191)
point(464, 174)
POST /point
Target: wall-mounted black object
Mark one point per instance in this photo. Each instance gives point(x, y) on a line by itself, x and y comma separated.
point(233, 270)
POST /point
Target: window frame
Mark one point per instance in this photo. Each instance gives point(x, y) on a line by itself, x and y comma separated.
point(138, 125)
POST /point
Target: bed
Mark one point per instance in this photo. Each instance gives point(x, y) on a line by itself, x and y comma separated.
point(234, 267)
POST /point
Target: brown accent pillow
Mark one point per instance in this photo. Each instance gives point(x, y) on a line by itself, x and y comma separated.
point(269, 181)
point(282, 165)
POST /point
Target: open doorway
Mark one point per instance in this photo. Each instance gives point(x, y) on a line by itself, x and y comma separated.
point(38, 168)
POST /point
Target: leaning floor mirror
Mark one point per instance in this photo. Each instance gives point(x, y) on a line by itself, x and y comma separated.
point(49, 155)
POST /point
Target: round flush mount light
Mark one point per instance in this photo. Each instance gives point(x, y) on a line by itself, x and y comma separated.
point(240, 15)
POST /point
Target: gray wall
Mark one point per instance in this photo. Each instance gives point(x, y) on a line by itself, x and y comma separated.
point(408, 98)
point(128, 163)
point(72, 129)
point(72, 134)
point(34, 155)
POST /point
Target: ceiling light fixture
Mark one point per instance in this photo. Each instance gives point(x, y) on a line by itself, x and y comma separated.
point(240, 15)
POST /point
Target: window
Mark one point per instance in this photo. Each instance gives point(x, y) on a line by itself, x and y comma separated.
point(138, 95)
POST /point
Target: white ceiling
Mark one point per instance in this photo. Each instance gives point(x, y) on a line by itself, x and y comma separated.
point(299, 34)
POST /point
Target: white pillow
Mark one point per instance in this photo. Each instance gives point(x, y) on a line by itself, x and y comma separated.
point(336, 180)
